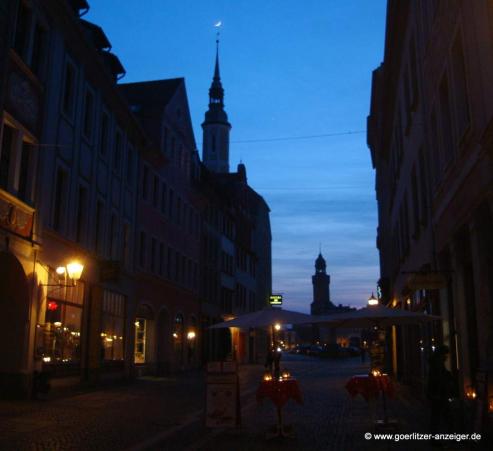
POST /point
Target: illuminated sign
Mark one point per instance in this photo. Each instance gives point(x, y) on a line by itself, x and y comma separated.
point(52, 305)
point(275, 299)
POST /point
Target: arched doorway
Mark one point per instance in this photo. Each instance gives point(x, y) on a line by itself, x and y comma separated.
point(14, 305)
point(163, 343)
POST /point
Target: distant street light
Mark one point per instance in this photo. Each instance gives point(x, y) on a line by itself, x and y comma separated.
point(372, 300)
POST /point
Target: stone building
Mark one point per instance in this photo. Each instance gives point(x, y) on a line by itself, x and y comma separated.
point(430, 136)
point(107, 176)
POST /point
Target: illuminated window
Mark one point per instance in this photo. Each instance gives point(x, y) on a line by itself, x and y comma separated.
point(140, 340)
point(112, 332)
point(58, 340)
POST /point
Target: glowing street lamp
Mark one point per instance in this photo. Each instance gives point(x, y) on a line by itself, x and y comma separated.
point(372, 300)
point(74, 270)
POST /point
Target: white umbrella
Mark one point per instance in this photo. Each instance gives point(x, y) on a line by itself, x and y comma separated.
point(266, 317)
point(375, 315)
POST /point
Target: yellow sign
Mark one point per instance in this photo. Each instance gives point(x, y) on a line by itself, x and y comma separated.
point(275, 299)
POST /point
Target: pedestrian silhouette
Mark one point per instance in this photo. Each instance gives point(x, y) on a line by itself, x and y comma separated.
point(441, 390)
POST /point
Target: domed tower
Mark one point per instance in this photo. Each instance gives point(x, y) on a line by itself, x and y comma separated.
point(321, 304)
point(215, 142)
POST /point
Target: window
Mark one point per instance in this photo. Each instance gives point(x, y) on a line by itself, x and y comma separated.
point(59, 199)
point(435, 149)
point(161, 259)
point(446, 122)
point(38, 49)
point(460, 88)
point(98, 226)
point(103, 144)
point(155, 192)
point(165, 139)
point(177, 267)
point(142, 250)
point(113, 238)
point(81, 214)
point(153, 254)
point(58, 340)
point(423, 187)
point(88, 113)
point(415, 204)
point(112, 326)
point(24, 172)
point(173, 149)
point(178, 210)
point(22, 30)
point(145, 182)
point(163, 198)
point(140, 341)
point(130, 165)
point(126, 244)
point(169, 265)
point(414, 76)
point(117, 156)
point(5, 155)
point(170, 204)
point(69, 89)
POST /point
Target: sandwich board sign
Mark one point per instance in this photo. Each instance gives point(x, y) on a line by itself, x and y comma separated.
point(222, 395)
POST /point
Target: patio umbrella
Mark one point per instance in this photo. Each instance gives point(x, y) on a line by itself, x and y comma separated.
point(266, 317)
point(375, 315)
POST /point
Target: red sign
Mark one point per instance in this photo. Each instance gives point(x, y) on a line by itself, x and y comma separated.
point(52, 305)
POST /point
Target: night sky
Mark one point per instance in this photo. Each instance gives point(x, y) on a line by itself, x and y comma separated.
point(290, 69)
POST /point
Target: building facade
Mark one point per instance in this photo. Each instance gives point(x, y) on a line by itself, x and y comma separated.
point(429, 133)
point(104, 205)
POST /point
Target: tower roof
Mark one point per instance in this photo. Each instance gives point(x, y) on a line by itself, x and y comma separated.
point(216, 113)
point(320, 264)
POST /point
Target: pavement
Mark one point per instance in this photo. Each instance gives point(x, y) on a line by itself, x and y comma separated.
point(168, 414)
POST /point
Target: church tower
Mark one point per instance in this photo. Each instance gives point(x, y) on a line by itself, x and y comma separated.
point(215, 142)
point(321, 304)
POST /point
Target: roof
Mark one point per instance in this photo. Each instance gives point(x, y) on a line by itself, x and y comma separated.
point(150, 95)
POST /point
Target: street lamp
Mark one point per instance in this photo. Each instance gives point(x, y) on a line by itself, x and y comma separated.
point(372, 300)
point(72, 270)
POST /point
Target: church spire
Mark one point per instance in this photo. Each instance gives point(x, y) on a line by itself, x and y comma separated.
point(215, 143)
point(216, 91)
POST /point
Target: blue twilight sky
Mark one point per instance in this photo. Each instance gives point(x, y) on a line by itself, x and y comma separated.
point(289, 68)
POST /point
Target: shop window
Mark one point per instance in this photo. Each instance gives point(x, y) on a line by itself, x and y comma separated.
point(113, 319)
point(58, 340)
point(140, 340)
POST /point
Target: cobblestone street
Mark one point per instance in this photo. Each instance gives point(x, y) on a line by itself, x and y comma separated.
point(167, 414)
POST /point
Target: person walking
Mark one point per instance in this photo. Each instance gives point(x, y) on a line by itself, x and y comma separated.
point(441, 390)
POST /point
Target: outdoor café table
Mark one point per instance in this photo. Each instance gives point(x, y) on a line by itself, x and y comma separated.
point(279, 392)
point(370, 387)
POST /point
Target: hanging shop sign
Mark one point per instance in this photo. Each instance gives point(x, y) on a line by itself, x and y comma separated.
point(426, 281)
